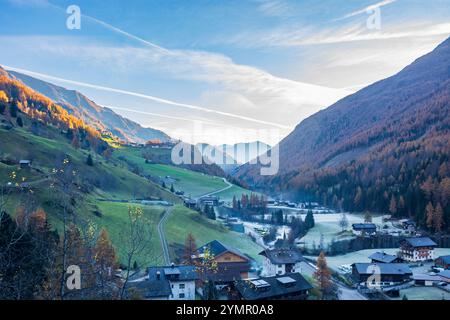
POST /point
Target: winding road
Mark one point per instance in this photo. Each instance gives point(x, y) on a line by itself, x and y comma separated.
point(162, 235)
point(229, 185)
point(166, 214)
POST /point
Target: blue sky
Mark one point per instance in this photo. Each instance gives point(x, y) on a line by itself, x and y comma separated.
point(219, 71)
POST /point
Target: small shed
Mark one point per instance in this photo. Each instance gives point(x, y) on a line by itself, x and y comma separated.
point(25, 164)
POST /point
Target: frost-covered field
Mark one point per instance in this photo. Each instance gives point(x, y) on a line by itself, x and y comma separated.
point(328, 226)
point(424, 293)
point(363, 256)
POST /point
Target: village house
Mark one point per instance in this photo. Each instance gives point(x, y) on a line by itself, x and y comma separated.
point(209, 200)
point(417, 249)
point(287, 287)
point(25, 164)
point(382, 257)
point(426, 280)
point(190, 203)
point(232, 265)
point(443, 262)
point(408, 225)
point(280, 261)
point(166, 283)
point(389, 273)
point(362, 229)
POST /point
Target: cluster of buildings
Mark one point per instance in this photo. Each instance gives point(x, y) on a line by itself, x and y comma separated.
point(392, 272)
point(281, 274)
point(201, 202)
point(280, 279)
point(369, 229)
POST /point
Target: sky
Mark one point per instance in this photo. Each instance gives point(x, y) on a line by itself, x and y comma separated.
point(219, 71)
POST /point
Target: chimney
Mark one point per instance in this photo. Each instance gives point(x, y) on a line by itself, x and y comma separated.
point(172, 265)
point(158, 275)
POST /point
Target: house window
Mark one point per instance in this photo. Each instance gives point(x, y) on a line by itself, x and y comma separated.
point(182, 285)
point(182, 295)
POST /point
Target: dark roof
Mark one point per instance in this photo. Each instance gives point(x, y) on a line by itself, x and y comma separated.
point(209, 198)
point(385, 268)
point(283, 255)
point(273, 287)
point(179, 273)
point(150, 288)
point(421, 242)
point(364, 226)
point(426, 277)
point(445, 259)
point(383, 257)
point(154, 287)
point(217, 248)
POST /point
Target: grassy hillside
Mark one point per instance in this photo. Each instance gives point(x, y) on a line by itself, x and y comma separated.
point(113, 181)
point(191, 182)
point(183, 221)
point(114, 217)
point(109, 180)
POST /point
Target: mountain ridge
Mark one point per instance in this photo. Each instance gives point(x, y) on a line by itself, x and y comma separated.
point(81, 106)
point(382, 149)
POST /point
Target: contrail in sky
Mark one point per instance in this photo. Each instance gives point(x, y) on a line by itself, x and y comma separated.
point(149, 97)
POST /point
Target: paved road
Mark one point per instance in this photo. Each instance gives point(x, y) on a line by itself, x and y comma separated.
point(349, 294)
point(229, 185)
point(162, 236)
point(344, 292)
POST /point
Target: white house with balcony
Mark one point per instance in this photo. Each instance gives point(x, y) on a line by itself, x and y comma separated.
point(280, 261)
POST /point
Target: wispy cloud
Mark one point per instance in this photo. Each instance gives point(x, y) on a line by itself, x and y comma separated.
point(360, 33)
point(148, 97)
point(29, 2)
point(275, 8)
point(291, 36)
point(367, 9)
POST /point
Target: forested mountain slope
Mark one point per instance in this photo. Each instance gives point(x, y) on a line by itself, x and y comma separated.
point(384, 148)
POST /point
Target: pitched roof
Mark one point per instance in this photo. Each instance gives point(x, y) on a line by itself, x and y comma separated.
point(151, 288)
point(364, 226)
point(272, 287)
point(383, 257)
point(446, 259)
point(421, 242)
point(217, 248)
point(154, 287)
point(426, 277)
point(283, 255)
point(385, 268)
point(445, 274)
point(182, 273)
